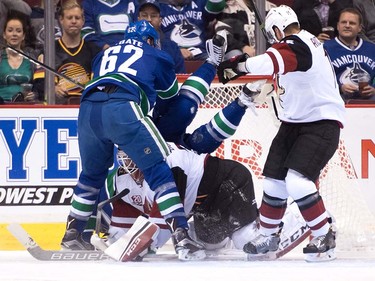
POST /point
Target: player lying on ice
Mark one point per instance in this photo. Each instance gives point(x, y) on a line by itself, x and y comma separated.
point(217, 193)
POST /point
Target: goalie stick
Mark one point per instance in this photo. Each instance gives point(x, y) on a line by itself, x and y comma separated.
point(61, 255)
point(288, 242)
point(103, 203)
point(48, 255)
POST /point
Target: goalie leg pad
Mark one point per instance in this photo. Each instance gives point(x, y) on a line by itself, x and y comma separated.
point(134, 242)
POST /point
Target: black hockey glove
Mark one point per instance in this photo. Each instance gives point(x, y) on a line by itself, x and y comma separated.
point(228, 70)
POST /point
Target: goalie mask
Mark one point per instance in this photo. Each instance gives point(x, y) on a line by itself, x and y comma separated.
point(126, 163)
point(280, 17)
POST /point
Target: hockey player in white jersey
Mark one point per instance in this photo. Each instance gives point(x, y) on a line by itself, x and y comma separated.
point(311, 117)
point(217, 193)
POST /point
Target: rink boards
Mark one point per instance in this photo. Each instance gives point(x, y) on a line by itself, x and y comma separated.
point(40, 162)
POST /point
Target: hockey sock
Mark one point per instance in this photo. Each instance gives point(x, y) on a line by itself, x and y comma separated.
point(198, 84)
point(223, 125)
point(310, 203)
point(84, 200)
point(271, 212)
point(314, 213)
point(160, 179)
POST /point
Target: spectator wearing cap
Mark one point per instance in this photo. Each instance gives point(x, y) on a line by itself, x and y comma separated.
point(150, 10)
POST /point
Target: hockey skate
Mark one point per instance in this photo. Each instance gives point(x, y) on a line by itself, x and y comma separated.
point(185, 247)
point(73, 240)
point(321, 248)
point(216, 48)
point(263, 244)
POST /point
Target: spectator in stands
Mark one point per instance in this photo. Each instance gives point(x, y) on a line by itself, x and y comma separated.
point(367, 10)
point(150, 10)
point(350, 56)
point(15, 70)
point(73, 54)
point(8, 5)
point(313, 15)
point(239, 22)
point(37, 21)
point(186, 22)
point(106, 20)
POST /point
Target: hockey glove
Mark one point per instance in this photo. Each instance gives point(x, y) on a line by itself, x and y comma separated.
point(228, 70)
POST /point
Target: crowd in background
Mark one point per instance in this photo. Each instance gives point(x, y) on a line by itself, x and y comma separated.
point(85, 27)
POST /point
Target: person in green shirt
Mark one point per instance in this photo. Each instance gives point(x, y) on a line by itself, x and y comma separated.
point(16, 72)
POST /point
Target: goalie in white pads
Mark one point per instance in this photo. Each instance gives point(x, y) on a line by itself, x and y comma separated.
point(218, 193)
point(311, 117)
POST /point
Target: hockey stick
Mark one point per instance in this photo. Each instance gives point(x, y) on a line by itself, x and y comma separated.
point(46, 255)
point(293, 240)
point(44, 66)
point(102, 204)
point(251, 5)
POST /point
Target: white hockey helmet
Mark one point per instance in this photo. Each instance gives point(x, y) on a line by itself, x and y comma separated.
point(126, 162)
point(281, 17)
point(129, 166)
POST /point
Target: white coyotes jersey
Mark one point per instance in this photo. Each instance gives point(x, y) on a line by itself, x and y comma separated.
point(188, 161)
point(309, 90)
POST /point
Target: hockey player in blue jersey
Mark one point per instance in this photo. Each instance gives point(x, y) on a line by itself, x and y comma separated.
point(208, 137)
point(114, 106)
point(183, 107)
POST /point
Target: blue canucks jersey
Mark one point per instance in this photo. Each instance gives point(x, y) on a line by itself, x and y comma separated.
point(141, 71)
point(186, 26)
point(347, 62)
point(107, 20)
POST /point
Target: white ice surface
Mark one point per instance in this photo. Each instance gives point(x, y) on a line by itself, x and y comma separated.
point(20, 266)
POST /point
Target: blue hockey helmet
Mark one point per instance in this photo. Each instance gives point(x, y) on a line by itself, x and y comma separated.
point(142, 31)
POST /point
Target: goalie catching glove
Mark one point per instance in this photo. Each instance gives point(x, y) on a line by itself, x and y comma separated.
point(230, 69)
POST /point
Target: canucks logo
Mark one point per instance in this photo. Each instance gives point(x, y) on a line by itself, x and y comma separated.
point(350, 75)
point(186, 34)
